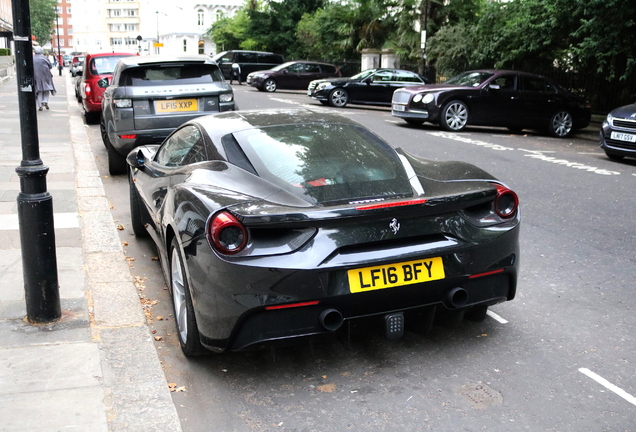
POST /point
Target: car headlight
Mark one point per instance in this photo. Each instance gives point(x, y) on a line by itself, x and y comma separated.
point(417, 98)
point(226, 97)
point(428, 98)
point(609, 119)
point(322, 86)
point(123, 103)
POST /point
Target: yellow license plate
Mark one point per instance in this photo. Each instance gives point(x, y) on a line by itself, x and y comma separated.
point(177, 105)
point(393, 275)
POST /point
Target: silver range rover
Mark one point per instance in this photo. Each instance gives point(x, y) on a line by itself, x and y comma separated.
point(149, 97)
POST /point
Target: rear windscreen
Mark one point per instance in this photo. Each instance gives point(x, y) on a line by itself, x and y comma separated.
point(103, 65)
point(170, 74)
point(325, 162)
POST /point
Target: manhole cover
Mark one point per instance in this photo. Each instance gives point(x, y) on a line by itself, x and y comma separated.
point(481, 396)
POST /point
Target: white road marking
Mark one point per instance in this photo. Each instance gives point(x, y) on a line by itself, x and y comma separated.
point(462, 138)
point(496, 317)
point(576, 165)
point(608, 385)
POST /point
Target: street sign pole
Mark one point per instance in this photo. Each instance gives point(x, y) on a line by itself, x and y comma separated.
point(35, 204)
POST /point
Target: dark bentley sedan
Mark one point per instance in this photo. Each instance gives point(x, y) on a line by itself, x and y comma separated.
point(293, 75)
point(371, 87)
point(278, 225)
point(516, 100)
point(618, 133)
point(150, 96)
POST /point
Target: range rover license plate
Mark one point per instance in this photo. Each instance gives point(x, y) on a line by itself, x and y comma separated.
point(176, 105)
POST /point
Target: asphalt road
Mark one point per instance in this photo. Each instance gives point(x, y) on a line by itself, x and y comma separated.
point(560, 357)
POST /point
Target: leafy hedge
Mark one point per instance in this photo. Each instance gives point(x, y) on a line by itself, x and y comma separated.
point(5, 51)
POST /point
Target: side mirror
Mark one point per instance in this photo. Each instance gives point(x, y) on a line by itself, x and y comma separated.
point(136, 159)
point(102, 83)
point(368, 80)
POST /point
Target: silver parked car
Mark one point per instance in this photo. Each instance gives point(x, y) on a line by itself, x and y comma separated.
point(149, 97)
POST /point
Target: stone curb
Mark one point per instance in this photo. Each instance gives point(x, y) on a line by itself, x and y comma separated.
point(137, 397)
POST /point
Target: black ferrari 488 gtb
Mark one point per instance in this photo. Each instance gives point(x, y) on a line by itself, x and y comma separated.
point(284, 224)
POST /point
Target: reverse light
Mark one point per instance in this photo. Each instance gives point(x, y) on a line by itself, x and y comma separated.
point(122, 103)
point(226, 234)
point(226, 97)
point(87, 90)
point(506, 202)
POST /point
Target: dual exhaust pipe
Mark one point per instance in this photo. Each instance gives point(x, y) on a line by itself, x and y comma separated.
point(331, 319)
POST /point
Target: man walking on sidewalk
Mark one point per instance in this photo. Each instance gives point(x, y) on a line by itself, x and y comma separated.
point(43, 79)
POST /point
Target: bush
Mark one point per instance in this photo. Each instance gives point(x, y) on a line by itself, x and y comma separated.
point(5, 51)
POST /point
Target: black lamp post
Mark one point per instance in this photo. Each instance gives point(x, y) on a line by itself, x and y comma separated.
point(35, 203)
point(59, 54)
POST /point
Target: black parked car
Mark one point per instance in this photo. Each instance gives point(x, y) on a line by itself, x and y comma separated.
point(516, 100)
point(278, 225)
point(243, 62)
point(291, 75)
point(372, 87)
point(150, 96)
point(618, 133)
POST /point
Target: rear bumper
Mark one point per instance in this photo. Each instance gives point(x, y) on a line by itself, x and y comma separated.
point(234, 318)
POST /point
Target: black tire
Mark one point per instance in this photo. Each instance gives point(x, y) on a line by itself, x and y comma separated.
point(185, 320)
point(91, 117)
point(117, 164)
point(560, 124)
point(414, 122)
point(102, 130)
point(137, 211)
point(614, 156)
point(269, 85)
point(454, 116)
point(338, 98)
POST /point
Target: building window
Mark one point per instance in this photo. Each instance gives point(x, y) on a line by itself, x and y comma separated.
point(114, 12)
point(68, 10)
point(70, 31)
point(130, 27)
point(201, 47)
point(185, 45)
point(131, 12)
point(200, 17)
point(69, 21)
point(70, 42)
point(61, 31)
point(130, 41)
point(115, 41)
point(115, 27)
point(219, 15)
point(58, 10)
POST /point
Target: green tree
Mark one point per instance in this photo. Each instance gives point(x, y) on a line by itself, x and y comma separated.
point(43, 13)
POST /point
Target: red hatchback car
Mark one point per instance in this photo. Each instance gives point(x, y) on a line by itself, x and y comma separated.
point(96, 67)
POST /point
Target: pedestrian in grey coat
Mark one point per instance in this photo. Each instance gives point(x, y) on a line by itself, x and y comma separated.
point(43, 78)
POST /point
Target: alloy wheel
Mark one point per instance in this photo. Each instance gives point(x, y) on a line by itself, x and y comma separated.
point(339, 98)
point(456, 116)
point(179, 295)
point(561, 124)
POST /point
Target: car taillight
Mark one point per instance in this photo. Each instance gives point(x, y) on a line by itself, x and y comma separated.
point(87, 90)
point(506, 202)
point(226, 234)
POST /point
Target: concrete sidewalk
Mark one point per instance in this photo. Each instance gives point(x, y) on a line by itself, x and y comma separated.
point(96, 369)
